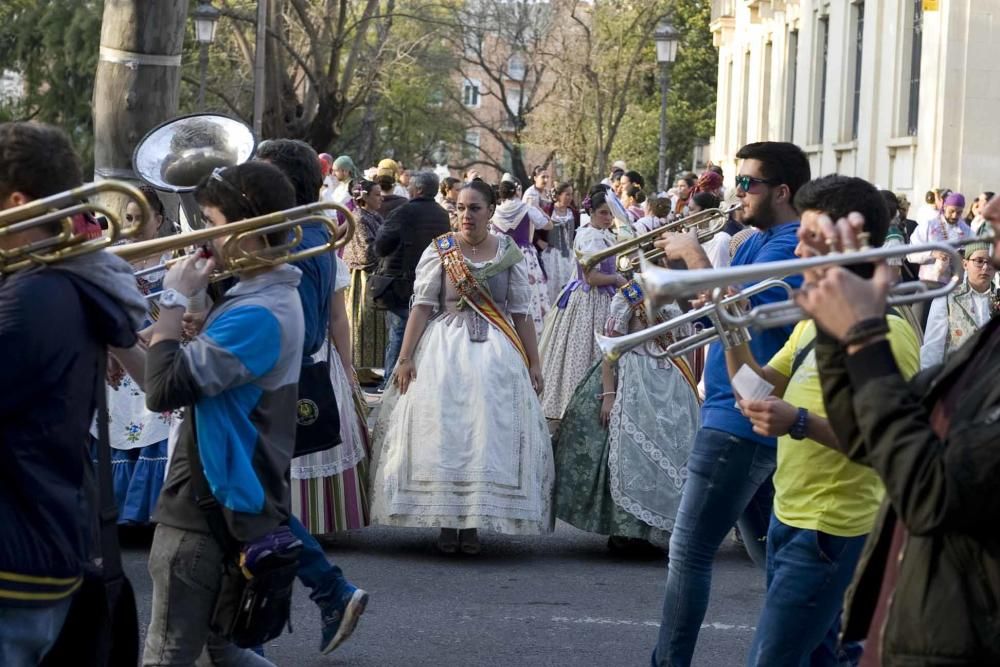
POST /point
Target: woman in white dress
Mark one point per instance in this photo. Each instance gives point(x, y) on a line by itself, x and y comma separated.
point(568, 347)
point(557, 258)
point(330, 488)
point(460, 441)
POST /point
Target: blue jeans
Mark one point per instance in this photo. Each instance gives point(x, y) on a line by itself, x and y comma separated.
point(807, 575)
point(27, 634)
point(396, 321)
point(323, 578)
point(724, 473)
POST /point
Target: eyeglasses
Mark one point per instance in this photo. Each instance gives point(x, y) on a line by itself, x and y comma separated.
point(980, 262)
point(217, 176)
point(744, 182)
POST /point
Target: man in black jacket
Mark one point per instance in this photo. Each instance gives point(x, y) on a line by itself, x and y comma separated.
point(401, 241)
point(56, 323)
point(927, 587)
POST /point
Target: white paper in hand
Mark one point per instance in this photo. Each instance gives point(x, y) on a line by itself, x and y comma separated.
point(749, 385)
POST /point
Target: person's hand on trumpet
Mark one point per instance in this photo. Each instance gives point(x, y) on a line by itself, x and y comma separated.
point(684, 247)
point(836, 298)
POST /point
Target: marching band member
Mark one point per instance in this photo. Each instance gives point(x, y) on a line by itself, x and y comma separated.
point(568, 348)
point(621, 449)
point(460, 441)
point(56, 323)
point(928, 579)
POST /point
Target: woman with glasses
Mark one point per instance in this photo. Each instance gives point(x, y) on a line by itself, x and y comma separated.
point(138, 436)
point(954, 318)
point(368, 330)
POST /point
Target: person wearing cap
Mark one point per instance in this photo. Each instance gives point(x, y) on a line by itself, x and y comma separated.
point(935, 267)
point(345, 172)
point(953, 319)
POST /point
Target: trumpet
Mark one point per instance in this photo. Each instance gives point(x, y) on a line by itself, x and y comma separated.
point(716, 219)
point(613, 347)
point(664, 285)
point(236, 257)
point(57, 211)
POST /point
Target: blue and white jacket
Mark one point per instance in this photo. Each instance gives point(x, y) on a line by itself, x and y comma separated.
point(241, 376)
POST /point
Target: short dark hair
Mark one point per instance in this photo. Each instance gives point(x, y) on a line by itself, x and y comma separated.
point(706, 200)
point(838, 195)
point(636, 178)
point(387, 183)
point(480, 186)
point(37, 160)
point(780, 161)
point(299, 163)
point(246, 191)
point(891, 202)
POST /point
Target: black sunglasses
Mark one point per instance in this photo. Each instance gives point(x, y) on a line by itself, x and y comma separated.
point(745, 182)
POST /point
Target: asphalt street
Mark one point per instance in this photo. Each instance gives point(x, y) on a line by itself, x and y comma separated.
point(560, 599)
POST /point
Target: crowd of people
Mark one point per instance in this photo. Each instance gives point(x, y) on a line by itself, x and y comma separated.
point(456, 329)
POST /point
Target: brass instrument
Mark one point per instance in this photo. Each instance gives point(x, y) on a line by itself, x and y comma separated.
point(665, 285)
point(237, 258)
point(614, 347)
point(60, 209)
point(643, 244)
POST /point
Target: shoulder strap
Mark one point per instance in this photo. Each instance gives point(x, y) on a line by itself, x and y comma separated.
point(111, 562)
point(203, 497)
point(801, 354)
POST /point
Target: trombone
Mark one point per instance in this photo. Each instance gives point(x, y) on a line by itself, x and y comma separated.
point(613, 347)
point(55, 215)
point(236, 257)
point(716, 219)
point(665, 285)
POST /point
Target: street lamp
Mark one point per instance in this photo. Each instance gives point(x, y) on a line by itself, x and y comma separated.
point(667, 39)
point(205, 19)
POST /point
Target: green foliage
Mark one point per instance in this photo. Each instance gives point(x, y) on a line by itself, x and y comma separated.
point(690, 99)
point(54, 46)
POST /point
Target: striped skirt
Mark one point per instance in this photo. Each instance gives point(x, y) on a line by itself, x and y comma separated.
point(332, 504)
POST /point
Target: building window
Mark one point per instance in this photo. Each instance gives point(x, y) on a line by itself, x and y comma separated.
point(822, 61)
point(471, 94)
point(470, 147)
point(793, 67)
point(516, 67)
point(859, 38)
point(765, 101)
point(745, 106)
point(913, 107)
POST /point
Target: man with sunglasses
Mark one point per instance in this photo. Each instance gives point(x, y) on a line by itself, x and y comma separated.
point(729, 462)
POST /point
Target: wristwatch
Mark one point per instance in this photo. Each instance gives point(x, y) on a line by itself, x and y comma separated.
point(798, 430)
point(171, 298)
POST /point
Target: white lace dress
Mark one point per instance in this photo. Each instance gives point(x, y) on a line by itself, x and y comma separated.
point(466, 446)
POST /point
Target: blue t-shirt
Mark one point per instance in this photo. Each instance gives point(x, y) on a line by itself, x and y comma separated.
point(318, 274)
point(719, 410)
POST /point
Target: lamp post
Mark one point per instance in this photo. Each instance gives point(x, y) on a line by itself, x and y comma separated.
point(667, 39)
point(205, 19)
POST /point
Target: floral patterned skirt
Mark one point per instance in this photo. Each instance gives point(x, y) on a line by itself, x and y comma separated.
point(538, 287)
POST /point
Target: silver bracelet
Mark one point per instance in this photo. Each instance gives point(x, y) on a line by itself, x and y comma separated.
point(605, 393)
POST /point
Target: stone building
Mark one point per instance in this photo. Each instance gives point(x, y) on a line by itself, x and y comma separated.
point(902, 93)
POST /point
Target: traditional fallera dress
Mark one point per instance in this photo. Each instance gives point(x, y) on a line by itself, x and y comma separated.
point(466, 446)
point(568, 348)
point(557, 258)
point(368, 329)
point(626, 480)
point(518, 220)
point(138, 436)
point(329, 489)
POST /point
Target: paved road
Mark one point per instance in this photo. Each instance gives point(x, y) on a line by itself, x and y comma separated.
point(548, 601)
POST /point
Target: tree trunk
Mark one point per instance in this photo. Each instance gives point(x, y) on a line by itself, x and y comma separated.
point(138, 78)
point(369, 123)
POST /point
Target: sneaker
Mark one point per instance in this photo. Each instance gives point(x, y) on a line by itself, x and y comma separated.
point(340, 619)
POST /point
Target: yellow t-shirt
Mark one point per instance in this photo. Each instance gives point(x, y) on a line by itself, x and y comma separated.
point(815, 487)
